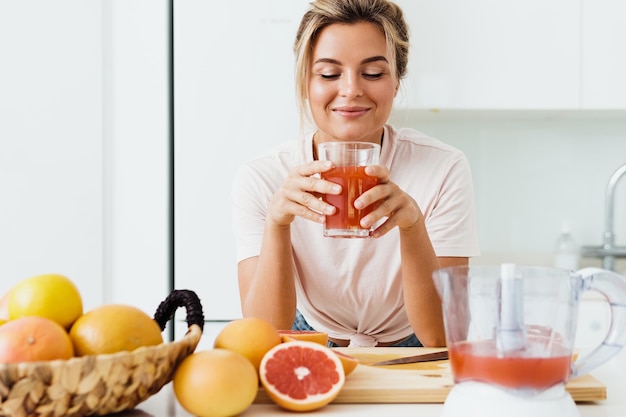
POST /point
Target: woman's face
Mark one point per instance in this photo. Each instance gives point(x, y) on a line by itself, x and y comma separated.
point(351, 86)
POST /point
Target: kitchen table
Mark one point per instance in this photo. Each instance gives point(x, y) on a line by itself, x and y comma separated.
point(612, 374)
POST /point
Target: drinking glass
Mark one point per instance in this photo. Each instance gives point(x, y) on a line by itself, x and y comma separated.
point(349, 161)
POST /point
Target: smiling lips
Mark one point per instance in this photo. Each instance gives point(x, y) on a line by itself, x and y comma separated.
point(351, 112)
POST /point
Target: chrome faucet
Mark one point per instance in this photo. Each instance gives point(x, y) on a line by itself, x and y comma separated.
point(608, 251)
point(609, 234)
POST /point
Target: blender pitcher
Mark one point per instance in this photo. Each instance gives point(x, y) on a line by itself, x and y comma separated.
point(510, 333)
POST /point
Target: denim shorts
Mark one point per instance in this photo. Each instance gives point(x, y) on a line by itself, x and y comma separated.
point(301, 324)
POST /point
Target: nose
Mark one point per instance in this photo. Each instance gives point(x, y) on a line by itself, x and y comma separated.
point(350, 85)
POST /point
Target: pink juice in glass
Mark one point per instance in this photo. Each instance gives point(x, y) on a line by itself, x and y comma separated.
point(346, 220)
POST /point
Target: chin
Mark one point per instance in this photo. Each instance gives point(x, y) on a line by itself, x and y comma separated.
point(351, 135)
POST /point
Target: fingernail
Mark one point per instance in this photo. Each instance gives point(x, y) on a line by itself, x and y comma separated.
point(358, 204)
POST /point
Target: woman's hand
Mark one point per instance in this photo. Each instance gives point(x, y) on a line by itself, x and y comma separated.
point(389, 201)
point(299, 195)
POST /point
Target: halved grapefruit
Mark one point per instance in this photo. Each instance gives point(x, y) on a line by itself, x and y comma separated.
point(301, 375)
point(307, 335)
point(348, 362)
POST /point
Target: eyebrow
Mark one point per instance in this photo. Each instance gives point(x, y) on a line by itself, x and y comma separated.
point(365, 61)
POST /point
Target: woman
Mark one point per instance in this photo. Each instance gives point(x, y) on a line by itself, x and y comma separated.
point(350, 58)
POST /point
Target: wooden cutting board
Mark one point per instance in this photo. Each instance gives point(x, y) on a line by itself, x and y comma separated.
point(426, 382)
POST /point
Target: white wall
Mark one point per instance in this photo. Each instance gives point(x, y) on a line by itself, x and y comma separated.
point(534, 170)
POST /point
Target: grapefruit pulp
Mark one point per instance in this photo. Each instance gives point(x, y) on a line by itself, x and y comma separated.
point(301, 375)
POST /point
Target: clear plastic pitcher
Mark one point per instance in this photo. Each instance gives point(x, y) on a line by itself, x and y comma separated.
point(514, 327)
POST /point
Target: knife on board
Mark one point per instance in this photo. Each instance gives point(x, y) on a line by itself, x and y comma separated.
point(422, 357)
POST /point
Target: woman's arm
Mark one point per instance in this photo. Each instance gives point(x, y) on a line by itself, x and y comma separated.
point(266, 285)
point(266, 282)
point(421, 300)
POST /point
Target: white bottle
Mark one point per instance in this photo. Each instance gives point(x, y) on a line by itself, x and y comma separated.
point(566, 250)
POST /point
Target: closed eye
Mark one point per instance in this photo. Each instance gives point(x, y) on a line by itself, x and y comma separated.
point(365, 75)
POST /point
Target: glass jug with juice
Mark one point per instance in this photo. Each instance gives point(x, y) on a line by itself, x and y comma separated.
point(510, 332)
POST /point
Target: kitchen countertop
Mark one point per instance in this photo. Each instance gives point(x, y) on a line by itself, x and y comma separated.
point(164, 404)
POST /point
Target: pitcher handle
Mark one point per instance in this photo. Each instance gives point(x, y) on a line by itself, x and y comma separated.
point(613, 287)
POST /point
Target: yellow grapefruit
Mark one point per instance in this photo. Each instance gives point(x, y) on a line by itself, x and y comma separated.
point(33, 338)
point(112, 328)
point(251, 337)
point(308, 335)
point(215, 383)
point(52, 296)
point(301, 375)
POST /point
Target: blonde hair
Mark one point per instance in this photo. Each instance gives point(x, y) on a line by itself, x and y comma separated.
point(384, 14)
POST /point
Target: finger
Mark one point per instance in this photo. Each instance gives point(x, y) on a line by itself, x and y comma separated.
point(379, 171)
point(318, 186)
point(383, 209)
point(313, 168)
point(378, 193)
point(399, 210)
point(386, 200)
point(385, 227)
point(305, 212)
point(310, 183)
point(310, 201)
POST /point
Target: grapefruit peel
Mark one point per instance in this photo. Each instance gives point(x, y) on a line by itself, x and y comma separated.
point(306, 335)
point(348, 362)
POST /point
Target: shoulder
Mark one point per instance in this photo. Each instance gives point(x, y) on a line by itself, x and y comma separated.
point(412, 147)
point(270, 168)
point(410, 138)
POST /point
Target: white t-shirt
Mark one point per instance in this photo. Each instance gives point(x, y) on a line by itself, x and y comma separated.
point(350, 288)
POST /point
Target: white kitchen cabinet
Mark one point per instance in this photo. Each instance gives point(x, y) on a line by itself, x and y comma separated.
point(603, 57)
point(491, 54)
point(136, 152)
point(83, 147)
point(234, 98)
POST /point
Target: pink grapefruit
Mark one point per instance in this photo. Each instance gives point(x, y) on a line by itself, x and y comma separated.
point(301, 375)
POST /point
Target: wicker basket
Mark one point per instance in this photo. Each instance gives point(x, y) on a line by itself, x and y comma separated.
point(100, 384)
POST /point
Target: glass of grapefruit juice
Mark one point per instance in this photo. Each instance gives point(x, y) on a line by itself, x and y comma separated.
point(349, 161)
